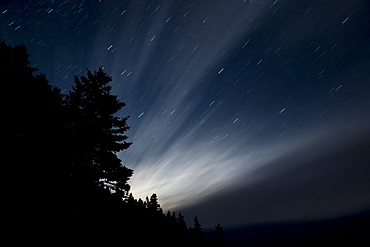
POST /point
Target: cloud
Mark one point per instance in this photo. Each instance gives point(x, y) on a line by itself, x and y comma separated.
point(324, 178)
point(192, 168)
point(189, 146)
point(173, 152)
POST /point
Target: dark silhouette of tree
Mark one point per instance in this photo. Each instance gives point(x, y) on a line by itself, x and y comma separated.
point(181, 224)
point(140, 203)
point(146, 203)
point(98, 134)
point(153, 205)
point(97, 182)
point(171, 221)
point(218, 237)
point(196, 235)
point(197, 225)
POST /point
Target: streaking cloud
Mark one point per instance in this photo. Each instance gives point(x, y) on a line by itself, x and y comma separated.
point(170, 131)
point(216, 90)
point(188, 145)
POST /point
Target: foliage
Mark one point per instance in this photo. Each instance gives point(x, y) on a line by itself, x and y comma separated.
point(99, 134)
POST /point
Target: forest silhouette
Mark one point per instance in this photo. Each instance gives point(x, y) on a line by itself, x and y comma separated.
point(63, 180)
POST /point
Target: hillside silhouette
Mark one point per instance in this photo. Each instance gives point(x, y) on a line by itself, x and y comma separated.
point(64, 182)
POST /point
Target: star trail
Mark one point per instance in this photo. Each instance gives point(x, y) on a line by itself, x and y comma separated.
point(217, 91)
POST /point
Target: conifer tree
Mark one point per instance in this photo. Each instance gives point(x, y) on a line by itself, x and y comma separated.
point(153, 205)
point(197, 225)
point(181, 224)
point(196, 236)
point(218, 237)
point(98, 134)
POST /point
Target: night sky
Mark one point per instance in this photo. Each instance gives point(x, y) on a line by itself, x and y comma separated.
point(240, 111)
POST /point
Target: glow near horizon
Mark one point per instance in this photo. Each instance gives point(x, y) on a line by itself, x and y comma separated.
point(177, 164)
point(176, 153)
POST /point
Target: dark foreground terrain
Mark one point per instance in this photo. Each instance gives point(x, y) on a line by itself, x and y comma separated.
point(348, 231)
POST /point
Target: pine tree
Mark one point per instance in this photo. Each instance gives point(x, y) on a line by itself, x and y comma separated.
point(181, 224)
point(130, 200)
point(98, 134)
point(196, 235)
point(218, 238)
point(147, 202)
point(197, 225)
point(141, 204)
point(153, 205)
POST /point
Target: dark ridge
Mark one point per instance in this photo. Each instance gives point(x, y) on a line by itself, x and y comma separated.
point(351, 230)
